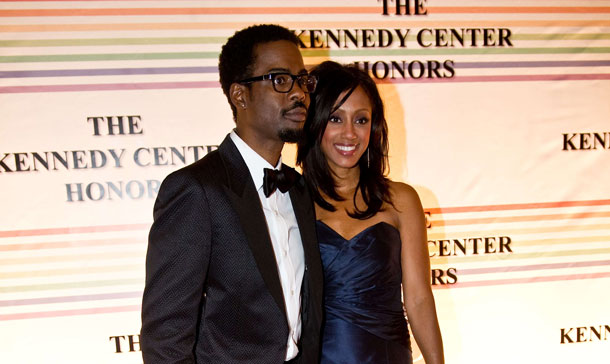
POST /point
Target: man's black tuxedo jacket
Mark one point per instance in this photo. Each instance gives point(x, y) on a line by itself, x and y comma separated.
point(213, 293)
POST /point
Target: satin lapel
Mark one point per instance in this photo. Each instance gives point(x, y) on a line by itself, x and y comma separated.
point(304, 212)
point(246, 203)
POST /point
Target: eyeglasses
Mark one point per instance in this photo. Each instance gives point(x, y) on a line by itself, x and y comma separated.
point(283, 82)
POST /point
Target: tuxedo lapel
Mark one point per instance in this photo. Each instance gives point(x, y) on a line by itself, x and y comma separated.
point(304, 212)
point(246, 202)
point(311, 289)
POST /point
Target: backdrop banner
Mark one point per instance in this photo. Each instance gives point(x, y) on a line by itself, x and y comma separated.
point(499, 116)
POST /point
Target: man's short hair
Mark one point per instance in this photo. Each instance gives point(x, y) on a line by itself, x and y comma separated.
point(237, 55)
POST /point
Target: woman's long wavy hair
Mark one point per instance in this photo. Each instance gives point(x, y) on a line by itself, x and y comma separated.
point(334, 79)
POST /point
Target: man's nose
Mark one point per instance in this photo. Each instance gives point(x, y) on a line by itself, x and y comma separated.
point(297, 92)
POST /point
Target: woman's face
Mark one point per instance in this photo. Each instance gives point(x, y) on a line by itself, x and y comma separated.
point(348, 131)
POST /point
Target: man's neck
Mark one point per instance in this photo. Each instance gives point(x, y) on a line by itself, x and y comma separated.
point(270, 150)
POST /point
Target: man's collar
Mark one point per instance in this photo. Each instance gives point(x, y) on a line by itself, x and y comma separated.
point(253, 160)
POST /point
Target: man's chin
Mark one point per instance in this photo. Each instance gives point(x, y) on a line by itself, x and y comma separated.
point(291, 135)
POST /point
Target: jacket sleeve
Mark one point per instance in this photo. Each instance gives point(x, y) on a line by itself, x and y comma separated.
point(176, 265)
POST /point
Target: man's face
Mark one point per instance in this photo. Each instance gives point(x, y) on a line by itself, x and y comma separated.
point(272, 115)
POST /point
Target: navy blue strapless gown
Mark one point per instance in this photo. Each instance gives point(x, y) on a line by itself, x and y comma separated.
point(364, 320)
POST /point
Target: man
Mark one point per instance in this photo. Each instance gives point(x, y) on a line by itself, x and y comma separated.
point(233, 272)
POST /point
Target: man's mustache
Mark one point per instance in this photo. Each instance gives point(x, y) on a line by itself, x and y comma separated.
point(297, 104)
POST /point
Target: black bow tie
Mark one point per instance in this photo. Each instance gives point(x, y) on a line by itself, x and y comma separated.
point(278, 179)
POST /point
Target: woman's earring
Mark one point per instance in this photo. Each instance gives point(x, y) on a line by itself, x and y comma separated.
point(368, 162)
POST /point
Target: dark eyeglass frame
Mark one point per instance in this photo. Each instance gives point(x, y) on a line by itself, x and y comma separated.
point(302, 80)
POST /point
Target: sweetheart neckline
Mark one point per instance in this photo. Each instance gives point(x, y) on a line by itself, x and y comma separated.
point(361, 232)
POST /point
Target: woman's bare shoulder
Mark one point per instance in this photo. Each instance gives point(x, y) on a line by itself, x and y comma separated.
point(406, 203)
point(404, 195)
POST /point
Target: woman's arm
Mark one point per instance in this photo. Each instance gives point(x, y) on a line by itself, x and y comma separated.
point(415, 261)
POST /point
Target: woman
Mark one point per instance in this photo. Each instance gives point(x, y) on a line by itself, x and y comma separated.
point(371, 230)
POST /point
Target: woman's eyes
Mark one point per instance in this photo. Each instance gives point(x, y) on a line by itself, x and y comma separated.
point(334, 119)
point(359, 120)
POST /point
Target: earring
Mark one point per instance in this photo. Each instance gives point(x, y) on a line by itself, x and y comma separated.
point(368, 161)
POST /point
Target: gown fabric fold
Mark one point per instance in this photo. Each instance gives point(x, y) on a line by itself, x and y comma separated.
point(364, 319)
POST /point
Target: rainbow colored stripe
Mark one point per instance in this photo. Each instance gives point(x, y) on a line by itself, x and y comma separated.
point(583, 255)
point(39, 56)
point(94, 46)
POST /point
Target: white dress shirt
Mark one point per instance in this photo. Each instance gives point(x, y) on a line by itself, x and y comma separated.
point(285, 238)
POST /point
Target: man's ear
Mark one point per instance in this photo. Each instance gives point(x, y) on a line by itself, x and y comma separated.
point(238, 95)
